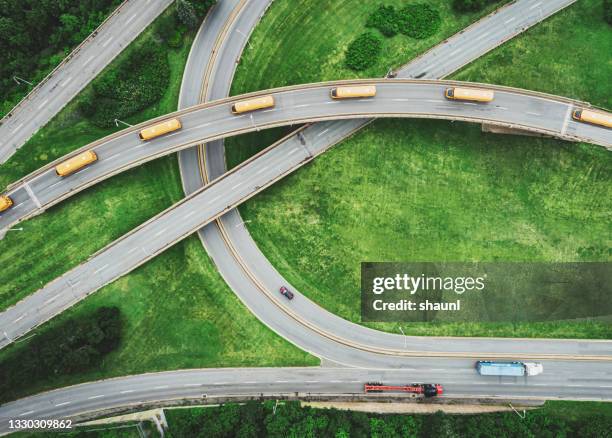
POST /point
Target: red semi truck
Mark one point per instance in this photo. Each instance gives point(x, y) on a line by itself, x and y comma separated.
point(425, 389)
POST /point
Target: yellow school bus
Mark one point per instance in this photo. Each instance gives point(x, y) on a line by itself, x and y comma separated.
point(473, 94)
point(594, 117)
point(160, 129)
point(353, 92)
point(5, 202)
point(75, 163)
point(253, 104)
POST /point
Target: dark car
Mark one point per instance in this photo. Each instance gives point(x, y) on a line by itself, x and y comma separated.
point(286, 292)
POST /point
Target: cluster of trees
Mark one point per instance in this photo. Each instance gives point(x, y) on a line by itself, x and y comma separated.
point(185, 15)
point(471, 5)
point(75, 345)
point(607, 11)
point(417, 20)
point(140, 80)
point(363, 52)
point(36, 35)
point(291, 420)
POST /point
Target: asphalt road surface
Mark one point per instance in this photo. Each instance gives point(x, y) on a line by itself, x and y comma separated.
point(97, 52)
point(560, 380)
point(394, 98)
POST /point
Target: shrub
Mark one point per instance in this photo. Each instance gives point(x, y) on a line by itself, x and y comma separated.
point(607, 11)
point(419, 21)
point(363, 52)
point(385, 19)
point(138, 82)
point(75, 345)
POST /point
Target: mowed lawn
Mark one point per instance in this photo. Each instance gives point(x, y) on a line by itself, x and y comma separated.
point(404, 190)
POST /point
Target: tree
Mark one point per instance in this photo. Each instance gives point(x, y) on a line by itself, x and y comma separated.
point(469, 5)
point(607, 11)
point(186, 14)
point(363, 52)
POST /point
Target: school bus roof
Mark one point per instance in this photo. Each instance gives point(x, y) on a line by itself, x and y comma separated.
point(478, 94)
point(5, 202)
point(597, 117)
point(75, 163)
point(160, 129)
point(356, 91)
point(253, 104)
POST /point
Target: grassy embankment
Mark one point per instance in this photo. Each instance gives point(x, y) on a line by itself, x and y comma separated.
point(405, 190)
point(179, 312)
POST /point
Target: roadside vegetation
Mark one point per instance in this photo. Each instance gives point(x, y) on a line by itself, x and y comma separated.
point(71, 347)
point(36, 36)
point(407, 190)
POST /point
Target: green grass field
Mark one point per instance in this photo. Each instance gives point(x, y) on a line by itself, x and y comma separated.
point(434, 191)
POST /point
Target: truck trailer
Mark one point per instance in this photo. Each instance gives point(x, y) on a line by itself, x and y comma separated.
point(516, 369)
point(422, 389)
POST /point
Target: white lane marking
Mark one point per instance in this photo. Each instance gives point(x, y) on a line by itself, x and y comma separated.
point(88, 61)
point(50, 300)
point(62, 404)
point(502, 107)
point(219, 383)
point(99, 269)
point(302, 106)
point(191, 213)
point(127, 391)
point(282, 381)
point(334, 381)
point(454, 52)
point(107, 42)
point(161, 387)
point(191, 384)
point(354, 381)
point(63, 84)
point(263, 169)
point(131, 18)
point(26, 413)
point(322, 132)
point(95, 396)
point(19, 319)
point(161, 232)
point(215, 198)
point(566, 120)
point(292, 152)
point(510, 20)
point(236, 186)
point(18, 127)
point(482, 36)
point(113, 156)
point(400, 100)
point(250, 382)
point(434, 100)
point(312, 381)
point(533, 114)
point(132, 250)
point(535, 5)
point(605, 386)
point(43, 104)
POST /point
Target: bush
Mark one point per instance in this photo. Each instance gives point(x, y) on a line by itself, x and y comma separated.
point(607, 11)
point(363, 52)
point(419, 21)
point(385, 19)
point(138, 82)
point(471, 5)
point(73, 346)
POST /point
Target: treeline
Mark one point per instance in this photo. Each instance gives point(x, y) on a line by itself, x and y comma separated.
point(36, 35)
point(73, 346)
point(471, 5)
point(142, 75)
point(291, 420)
